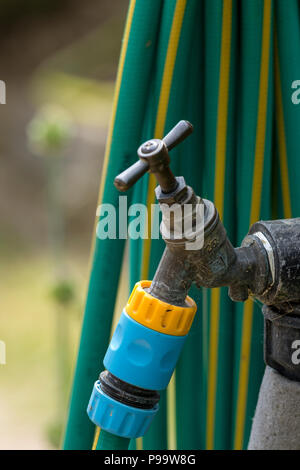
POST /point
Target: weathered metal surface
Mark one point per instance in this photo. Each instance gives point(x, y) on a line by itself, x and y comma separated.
point(284, 238)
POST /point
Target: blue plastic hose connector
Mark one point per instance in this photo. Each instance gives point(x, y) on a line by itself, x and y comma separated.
point(117, 418)
point(141, 356)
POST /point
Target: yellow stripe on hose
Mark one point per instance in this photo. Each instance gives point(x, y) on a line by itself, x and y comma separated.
point(171, 414)
point(158, 134)
point(110, 131)
point(114, 110)
point(281, 139)
point(96, 437)
point(219, 202)
point(254, 216)
point(116, 94)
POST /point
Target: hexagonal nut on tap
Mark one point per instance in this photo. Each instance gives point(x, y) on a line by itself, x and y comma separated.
point(178, 196)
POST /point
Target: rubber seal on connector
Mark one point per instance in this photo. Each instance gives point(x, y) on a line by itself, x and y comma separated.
point(117, 418)
point(126, 393)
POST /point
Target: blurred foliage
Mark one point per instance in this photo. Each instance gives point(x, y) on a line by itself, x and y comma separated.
point(50, 130)
point(54, 433)
point(88, 101)
point(63, 292)
point(95, 55)
point(13, 10)
point(30, 391)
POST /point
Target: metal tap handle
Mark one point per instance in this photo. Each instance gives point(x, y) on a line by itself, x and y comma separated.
point(151, 152)
point(131, 175)
point(176, 135)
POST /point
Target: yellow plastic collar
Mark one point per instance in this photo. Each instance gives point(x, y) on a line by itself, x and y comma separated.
point(158, 315)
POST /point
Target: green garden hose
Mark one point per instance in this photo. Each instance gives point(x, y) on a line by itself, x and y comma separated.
point(108, 441)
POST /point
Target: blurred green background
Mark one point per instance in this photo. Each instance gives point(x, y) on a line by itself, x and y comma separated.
point(58, 58)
